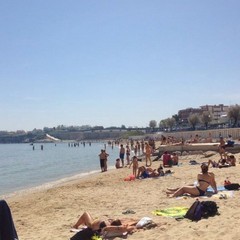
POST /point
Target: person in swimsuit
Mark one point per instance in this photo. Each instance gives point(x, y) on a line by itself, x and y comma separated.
point(205, 179)
point(121, 154)
point(220, 164)
point(144, 172)
point(221, 147)
point(111, 226)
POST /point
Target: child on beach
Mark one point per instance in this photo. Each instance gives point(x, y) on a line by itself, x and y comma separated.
point(134, 162)
point(117, 164)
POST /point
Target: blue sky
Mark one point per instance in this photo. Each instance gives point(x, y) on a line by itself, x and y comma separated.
point(114, 62)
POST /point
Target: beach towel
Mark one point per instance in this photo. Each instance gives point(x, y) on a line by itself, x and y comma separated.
point(219, 188)
point(174, 212)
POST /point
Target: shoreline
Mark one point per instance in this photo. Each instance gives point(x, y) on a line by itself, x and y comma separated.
point(22, 168)
point(52, 184)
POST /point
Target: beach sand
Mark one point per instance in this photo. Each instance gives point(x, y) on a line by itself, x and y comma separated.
point(48, 214)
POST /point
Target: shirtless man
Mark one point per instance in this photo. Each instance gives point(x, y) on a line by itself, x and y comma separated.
point(121, 154)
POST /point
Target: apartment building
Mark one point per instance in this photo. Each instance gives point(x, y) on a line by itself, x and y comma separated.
point(218, 112)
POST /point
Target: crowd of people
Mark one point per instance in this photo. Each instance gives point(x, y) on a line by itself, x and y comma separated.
point(205, 179)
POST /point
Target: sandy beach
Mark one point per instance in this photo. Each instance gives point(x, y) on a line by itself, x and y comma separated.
point(48, 214)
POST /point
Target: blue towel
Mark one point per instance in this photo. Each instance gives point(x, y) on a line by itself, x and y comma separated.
point(219, 188)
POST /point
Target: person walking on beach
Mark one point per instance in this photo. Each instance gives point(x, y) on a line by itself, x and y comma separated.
point(148, 151)
point(121, 154)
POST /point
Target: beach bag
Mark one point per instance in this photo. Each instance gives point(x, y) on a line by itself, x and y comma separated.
point(209, 209)
point(202, 209)
point(194, 213)
point(143, 222)
point(232, 186)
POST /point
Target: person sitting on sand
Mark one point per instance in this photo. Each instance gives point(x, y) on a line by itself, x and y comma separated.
point(231, 160)
point(220, 164)
point(160, 170)
point(204, 180)
point(174, 158)
point(7, 228)
point(100, 227)
point(118, 164)
point(167, 160)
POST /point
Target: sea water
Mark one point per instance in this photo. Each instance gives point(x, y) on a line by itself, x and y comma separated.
point(24, 166)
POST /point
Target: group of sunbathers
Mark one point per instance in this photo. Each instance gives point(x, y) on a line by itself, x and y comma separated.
point(225, 162)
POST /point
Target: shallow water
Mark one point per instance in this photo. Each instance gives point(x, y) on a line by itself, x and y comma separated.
point(21, 167)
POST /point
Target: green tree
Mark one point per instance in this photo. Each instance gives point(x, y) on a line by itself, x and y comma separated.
point(152, 124)
point(176, 118)
point(163, 124)
point(193, 120)
point(170, 122)
point(234, 114)
point(206, 118)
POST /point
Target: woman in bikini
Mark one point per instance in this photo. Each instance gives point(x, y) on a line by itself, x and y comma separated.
point(205, 179)
point(101, 226)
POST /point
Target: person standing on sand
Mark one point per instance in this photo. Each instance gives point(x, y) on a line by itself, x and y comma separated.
point(148, 151)
point(103, 160)
point(142, 146)
point(121, 154)
point(221, 147)
point(128, 154)
point(134, 162)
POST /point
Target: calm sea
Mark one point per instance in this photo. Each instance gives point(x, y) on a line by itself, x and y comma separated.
point(21, 167)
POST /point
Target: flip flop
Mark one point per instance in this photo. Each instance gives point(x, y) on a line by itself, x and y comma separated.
point(129, 211)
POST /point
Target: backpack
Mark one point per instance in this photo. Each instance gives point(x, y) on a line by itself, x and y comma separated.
point(85, 234)
point(200, 210)
point(209, 209)
point(232, 186)
point(194, 213)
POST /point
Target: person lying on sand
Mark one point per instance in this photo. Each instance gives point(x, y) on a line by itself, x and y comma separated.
point(144, 172)
point(113, 226)
point(229, 162)
point(220, 164)
point(205, 179)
